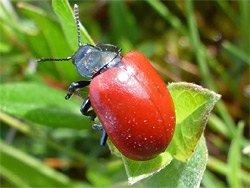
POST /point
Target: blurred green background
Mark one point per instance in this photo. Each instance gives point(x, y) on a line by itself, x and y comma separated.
point(204, 42)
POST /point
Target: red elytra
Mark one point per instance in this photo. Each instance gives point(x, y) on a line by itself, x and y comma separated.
point(134, 107)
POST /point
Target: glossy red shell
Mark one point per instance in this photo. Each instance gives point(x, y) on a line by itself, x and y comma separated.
point(134, 107)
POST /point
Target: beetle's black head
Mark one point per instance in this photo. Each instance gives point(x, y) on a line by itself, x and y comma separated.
point(89, 60)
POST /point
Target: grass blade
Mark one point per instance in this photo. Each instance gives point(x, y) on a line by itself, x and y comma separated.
point(234, 50)
point(234, 158)
point(229, 11)
point(15, 163)
point(222, 168)
point(201, 60)
point(195, 39)
point(210, 180)
point(168, 16)
point(36, 132)
point(245, 16)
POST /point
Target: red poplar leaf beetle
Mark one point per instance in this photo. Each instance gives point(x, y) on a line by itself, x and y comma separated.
point(132, 102)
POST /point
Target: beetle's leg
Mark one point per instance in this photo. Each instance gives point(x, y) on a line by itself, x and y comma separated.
point(85, 110)
point(103, 138)
point(74, 86)
point(91, 113)
point(104, 134)
point(97, 127)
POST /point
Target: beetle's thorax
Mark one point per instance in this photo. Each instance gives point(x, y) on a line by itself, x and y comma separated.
point(90, 60)
point(116, 62)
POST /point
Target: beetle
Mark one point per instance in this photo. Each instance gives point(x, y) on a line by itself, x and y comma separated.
point(133, 104)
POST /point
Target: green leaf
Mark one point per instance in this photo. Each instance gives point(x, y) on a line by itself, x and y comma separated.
point(41, 50)
point(138, 170)
point(193, 105)
point(50, 28)
point(55, 40)
point(26, 171)
point(182, 174)
point(124, 27)
point(67, 20)
point(43, 105)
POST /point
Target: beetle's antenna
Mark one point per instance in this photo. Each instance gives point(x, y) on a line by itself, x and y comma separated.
point(77, 24)
point(51, 59)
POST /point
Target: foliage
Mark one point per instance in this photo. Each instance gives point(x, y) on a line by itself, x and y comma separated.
point(44, 135)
